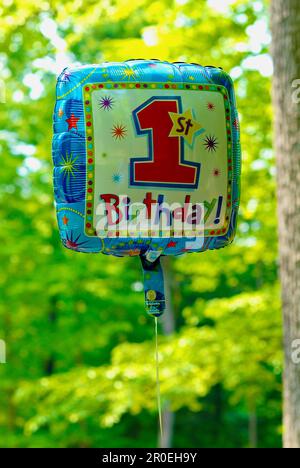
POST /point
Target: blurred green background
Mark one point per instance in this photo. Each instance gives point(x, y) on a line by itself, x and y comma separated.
point(80, 368)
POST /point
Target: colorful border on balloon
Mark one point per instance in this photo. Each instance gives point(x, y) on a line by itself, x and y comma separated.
point(87, 91)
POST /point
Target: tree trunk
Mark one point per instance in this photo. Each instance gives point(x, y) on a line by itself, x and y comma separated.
point(285, 25)
point(168, 327)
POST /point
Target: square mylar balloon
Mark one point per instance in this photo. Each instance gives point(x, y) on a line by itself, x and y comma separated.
point(147, 162)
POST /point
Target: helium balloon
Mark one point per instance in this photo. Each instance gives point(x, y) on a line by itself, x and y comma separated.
point(146, 162)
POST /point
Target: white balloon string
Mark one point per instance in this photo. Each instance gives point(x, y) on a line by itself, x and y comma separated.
point(158, 381)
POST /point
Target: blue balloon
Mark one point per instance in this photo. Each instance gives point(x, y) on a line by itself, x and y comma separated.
point(146, 162)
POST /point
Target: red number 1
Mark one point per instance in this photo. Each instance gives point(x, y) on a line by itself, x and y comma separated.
point(165, 165)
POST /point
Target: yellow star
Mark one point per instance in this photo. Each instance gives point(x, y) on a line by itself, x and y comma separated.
point(192, 78)
point(60, 113)
point(128, 73)
point(185, 125)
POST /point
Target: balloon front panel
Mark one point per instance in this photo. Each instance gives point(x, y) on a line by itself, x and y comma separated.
point(147, 130)
point(172, 145)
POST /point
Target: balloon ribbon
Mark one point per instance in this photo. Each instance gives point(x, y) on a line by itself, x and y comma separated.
point(158, 381)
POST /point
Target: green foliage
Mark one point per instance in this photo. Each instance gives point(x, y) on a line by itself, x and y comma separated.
point(80, 366)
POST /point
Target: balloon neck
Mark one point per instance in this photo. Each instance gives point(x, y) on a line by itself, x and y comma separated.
point(155, 300)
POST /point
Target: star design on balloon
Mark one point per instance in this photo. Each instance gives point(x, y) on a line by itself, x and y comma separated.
point(134, 252)
point(128, 73)
point(72, 122)
point(119, 131)
point(66, 75)
point(73, 242)
point(211, 106)
point(236, 124)
point(68, 165)
point(106, 103)
point(60, 113)
point(171, 244)
point(65, 220)
point(210, 143)
point(117, 178)
point(185, 126)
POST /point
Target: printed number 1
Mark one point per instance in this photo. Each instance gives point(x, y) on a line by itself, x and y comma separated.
point(165, 165)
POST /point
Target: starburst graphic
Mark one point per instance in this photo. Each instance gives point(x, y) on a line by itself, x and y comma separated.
point(117, 178)
point(129, 73)
point(69, 165)
point(73, 243)
point(119, 131)
point(211, 106)
point(210, 143)
point(106, 103)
